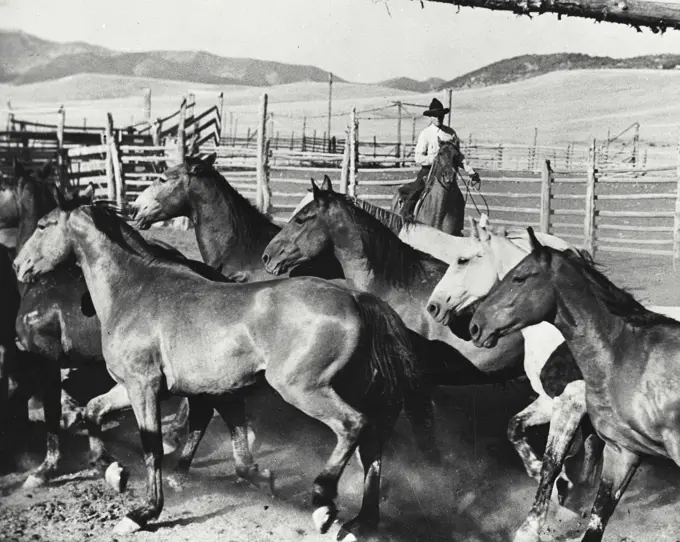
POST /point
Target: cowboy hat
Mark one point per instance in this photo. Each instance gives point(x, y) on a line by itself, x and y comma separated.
point(436, 109)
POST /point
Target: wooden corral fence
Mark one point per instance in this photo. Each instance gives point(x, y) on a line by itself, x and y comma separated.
point(594, 202)
point(118, 161)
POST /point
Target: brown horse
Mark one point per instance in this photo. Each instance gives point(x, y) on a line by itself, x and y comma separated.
point(440, 204)
point(629, 357)
point(230, 232)
point(342, 357)
point(375, 260)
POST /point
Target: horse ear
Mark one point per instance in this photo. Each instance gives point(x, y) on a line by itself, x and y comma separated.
point(482, 229)
point(59, 197)
point(315, 190)
point(533, 240)
point(19, 170)
point(473, 228)
point(210, 159)
point(326, 184)
point(88, 193)
point(45, 171)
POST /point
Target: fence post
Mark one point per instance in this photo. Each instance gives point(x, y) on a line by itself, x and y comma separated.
point(344, 173)
point(110, 180)
point(147, 105)
point(546, 194)
point(263, 195)
point(353, 155)
point(676, 218)
point(117, 165)
point(590, 210)
point(181, 147)
point(61, 162)
point(220, 117)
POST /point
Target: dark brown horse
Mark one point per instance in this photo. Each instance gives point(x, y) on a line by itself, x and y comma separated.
point(230, 232)
point(375, 260)
point(342, 357)
point(440, 203)
point(629, 357)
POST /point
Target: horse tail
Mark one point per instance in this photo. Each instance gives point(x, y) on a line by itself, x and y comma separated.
point(392, 353)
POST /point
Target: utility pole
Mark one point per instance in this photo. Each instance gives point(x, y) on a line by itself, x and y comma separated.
point(330, 99)
point(399, 109)
point(449, 92)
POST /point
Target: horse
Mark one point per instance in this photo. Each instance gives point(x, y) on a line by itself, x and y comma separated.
point(375, 260)
point(548, 364)
point(231, 233)
point(440, 204)
point(342, 357)
point(56, 332)
point(628, 355)
point(420, 236)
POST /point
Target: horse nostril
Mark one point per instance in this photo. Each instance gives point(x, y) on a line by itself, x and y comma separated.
point(433, 308)
point(15, 266)
point(265, 258)
point(448, 300)
point(475, 330)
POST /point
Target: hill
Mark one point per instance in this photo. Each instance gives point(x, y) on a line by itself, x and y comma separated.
point(524, 67)
point(29, 59)
point(411, 85)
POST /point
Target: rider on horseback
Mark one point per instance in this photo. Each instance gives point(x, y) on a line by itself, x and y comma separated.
point(425, 153)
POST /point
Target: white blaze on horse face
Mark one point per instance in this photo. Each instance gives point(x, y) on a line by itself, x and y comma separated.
point(46, 248)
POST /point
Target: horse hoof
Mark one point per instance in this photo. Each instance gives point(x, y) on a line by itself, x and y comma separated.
point(176, 482)
point(33, 481)
point(169, 446)
point(356, 530)
point(116, 477)
point(323, 518)
point(126, 526)
point(346, 536)
point(528, 532)
point(262, 481)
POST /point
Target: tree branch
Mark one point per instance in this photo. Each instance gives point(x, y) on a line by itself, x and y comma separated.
point(658, 16)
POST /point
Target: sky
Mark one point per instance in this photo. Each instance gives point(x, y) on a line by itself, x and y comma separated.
point(359, 40)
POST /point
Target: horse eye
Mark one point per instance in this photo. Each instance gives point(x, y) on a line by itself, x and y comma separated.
point(41, 226)
point(519, 280)
point(463, 261)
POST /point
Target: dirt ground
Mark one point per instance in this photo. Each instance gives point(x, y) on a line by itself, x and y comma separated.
point(481, 494)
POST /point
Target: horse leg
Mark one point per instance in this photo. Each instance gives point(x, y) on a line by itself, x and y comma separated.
point(617, 470)
point(419, 410)
point(536, 413)
point(325, 405)
point(144, 396)
point(115, 399)
point(172, 436)
point(199, 413)
point(371, 443)
point(233, 412)
point(51, 398)
point(569, 408)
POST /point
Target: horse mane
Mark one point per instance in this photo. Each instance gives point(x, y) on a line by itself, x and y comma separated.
point(617, 300)
point(393, 221)
point(388, 256)
point(249, 226)
point(107, 219)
